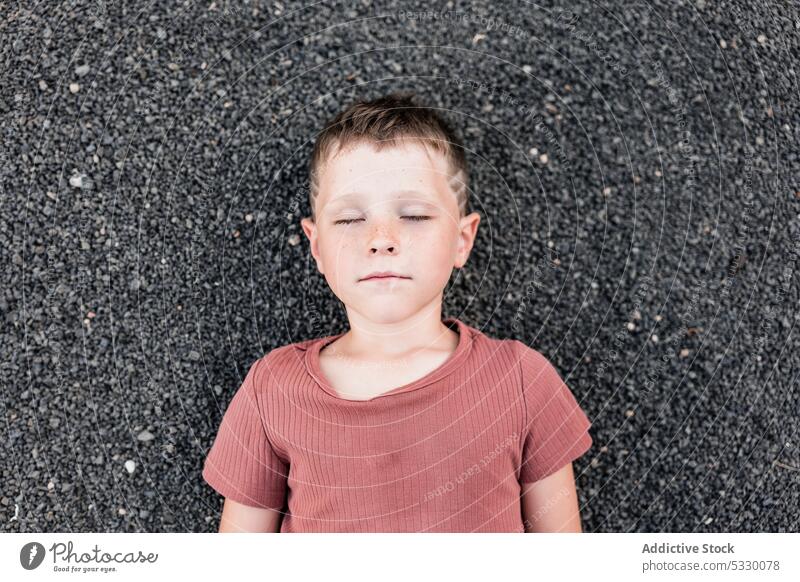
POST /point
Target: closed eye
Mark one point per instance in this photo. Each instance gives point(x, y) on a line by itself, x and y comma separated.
point(351, 220)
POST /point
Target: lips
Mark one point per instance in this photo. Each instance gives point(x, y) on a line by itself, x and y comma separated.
point(383, 275)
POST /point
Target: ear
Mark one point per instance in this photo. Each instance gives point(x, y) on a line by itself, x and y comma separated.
point(468, 229)
point(310, 228)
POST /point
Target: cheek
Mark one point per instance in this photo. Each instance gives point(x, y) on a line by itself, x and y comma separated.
point(434, 246)
point(337, 252)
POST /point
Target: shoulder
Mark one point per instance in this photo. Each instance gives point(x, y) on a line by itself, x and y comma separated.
point(511, 354)
point(280, 362)
point(538, 376)
point(530, 359)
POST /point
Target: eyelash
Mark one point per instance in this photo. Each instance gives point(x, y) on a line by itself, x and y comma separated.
point(412, 218)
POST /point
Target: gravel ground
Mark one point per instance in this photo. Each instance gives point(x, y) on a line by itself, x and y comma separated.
point(637, 171)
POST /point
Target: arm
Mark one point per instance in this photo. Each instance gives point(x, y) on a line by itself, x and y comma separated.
point(551, 504)
point(238, 518)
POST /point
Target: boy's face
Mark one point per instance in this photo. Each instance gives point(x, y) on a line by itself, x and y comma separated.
point(370, 217)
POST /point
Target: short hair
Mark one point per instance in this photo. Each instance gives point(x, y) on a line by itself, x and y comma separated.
point(385, 122)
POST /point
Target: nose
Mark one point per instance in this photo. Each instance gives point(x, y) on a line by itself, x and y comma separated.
point(383, 240)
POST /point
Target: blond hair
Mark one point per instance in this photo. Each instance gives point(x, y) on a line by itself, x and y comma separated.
point(386, 122)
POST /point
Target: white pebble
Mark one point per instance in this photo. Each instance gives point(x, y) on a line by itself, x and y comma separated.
point(130, 466)
point(74, 87)
point(76, 180)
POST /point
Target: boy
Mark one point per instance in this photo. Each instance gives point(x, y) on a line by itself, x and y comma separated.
point(406, 422)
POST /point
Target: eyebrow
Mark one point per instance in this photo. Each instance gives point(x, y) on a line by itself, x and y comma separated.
point(356, 196)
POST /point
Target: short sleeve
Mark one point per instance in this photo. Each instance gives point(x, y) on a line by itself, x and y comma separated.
point(242, 464)
point(556, 430)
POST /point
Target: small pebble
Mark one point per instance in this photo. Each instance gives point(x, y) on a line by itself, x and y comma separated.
point(77, 180)
point(145, 436)
point(761, 39)
point(629, 413)
point(684, 353)
point(606, 191)
point(82, 70)
point(294, 240)
point(654, 337)
point(74, 87)
point(42, 84)
point(631, 327)
point(130, 466)
point(544, 158)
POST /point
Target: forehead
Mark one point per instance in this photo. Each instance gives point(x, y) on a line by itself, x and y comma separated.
point(361, 173)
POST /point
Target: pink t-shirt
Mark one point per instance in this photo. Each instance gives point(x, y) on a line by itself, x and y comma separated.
point(445, 453)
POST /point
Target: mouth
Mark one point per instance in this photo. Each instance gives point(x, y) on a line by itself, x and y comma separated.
point(383, 276)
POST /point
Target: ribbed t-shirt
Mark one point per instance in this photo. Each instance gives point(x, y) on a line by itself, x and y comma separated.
point(445, 453)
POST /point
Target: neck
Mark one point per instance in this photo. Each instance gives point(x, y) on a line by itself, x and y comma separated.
point(388, 339)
